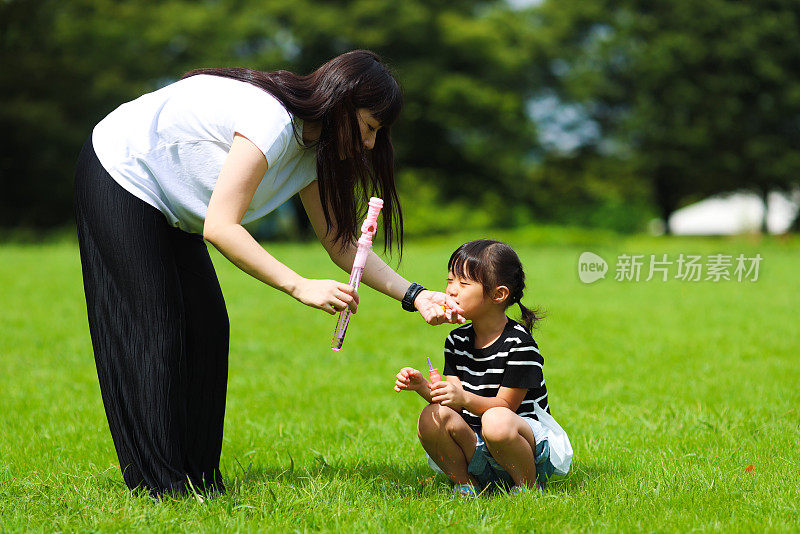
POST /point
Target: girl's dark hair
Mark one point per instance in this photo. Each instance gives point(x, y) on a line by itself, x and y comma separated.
point(348, 174)
point(493, 263)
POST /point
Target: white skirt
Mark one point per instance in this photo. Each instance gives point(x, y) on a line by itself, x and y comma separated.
point(560, 447)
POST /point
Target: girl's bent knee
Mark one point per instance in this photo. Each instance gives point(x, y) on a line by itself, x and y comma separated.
point(428, 421)
point(428, 413)
point(497, 425)
point(436, 418)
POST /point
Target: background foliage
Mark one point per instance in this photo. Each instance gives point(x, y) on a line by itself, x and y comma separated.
point(590, 112)
point(702, 97)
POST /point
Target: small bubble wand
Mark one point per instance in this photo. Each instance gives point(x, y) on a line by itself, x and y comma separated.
point(368, 229)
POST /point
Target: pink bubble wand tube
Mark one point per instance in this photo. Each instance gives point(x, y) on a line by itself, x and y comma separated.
point(368, 230)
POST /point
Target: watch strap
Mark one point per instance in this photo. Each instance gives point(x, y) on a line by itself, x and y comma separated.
point(411, 294)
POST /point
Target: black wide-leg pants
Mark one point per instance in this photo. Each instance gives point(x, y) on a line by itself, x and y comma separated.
point(160, 333)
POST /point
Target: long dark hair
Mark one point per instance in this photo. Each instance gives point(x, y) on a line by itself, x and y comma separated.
point(348, 174)
point(493, 263)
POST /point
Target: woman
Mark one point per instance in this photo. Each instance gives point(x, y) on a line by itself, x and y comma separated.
point(195, 160)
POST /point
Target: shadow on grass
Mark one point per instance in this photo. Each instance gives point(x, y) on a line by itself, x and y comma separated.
point(382, 475)
point(365, 472)
point(416, 477)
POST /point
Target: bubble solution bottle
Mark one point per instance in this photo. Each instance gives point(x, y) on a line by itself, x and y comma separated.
point(434, 373)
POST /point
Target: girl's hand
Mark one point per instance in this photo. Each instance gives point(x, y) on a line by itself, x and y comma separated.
point(448, 394)
point(429, 304)
point(409, 379)
point(328, 295)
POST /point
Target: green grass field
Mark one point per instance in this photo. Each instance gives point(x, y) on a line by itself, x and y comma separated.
point(669, 391)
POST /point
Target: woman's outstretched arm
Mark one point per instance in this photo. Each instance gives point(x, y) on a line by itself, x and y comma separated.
point(377, 274)
point(241, 174)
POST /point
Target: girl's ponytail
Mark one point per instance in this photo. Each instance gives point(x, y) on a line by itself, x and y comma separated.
point(529, 316)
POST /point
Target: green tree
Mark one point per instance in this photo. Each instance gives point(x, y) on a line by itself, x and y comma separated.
point(704, 96)
point(67, 64)
point(466, 69)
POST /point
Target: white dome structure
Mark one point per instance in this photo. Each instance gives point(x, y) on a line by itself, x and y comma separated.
point(736, 213)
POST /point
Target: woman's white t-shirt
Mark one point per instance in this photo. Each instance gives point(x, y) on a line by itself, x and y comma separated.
point(167, 147)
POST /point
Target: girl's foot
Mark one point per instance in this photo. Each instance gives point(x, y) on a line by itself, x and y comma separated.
point(465, 490)
point(525, 490)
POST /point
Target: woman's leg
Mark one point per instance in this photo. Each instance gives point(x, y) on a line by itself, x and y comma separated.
point(136, 320)
point(510, 440)
point(448, 440)
point(206, 335)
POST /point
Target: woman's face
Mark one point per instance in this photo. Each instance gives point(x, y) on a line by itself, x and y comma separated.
point(369, 126)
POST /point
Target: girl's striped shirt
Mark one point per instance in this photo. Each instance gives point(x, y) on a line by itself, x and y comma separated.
point(513, 361)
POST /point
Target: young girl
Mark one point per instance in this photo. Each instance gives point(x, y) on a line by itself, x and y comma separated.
point(488, 422)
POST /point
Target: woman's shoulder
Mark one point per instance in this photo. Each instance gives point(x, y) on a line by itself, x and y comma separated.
point(234, 92)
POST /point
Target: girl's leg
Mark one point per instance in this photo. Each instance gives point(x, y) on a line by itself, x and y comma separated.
point(510, 440)
point(449, 440)
point(136, 320)
point(206, 334)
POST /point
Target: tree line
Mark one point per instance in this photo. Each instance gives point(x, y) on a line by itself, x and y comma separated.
point(580, 111)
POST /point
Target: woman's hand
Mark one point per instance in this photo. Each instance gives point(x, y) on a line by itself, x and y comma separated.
point(448, 394)
point(328, 295)
point(409, 379)
point(430, 306)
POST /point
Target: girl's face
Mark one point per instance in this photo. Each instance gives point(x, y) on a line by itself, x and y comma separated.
point(467, 293)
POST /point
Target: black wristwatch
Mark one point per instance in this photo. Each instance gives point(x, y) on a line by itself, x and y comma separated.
point(408, 300)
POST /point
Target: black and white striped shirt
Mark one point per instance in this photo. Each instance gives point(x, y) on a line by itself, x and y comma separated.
point(512, 361)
